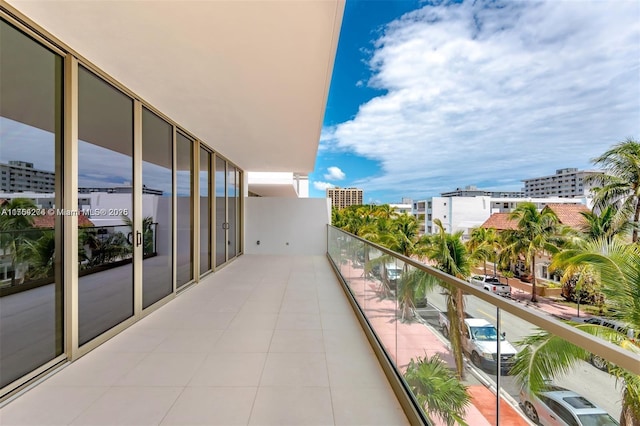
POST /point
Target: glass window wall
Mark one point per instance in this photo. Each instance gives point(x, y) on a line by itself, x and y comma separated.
point(31, 290)
point(105, 200)
point(221, 211)
point(184, 182)
point(205, 211)
point(157, 208)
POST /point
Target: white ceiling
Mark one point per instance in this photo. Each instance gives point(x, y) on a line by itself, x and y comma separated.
point(249, 78)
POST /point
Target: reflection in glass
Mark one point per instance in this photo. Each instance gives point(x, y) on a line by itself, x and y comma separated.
point(232, 205)
point(105, 174)
point(157, 209)
point(31, 292)
point(221, 211)
point(205, 212)
point(184, 182)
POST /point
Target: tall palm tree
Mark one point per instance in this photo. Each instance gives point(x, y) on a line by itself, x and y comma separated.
point(534, 236)
point(619, 186)
point(402, 237)
point(437, 390)
point(482, 245)
point(582, 278)
point(545, 355)
point(451, 257)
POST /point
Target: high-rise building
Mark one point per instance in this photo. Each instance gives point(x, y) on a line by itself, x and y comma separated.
point(565, 183)
point(345, 197)
point(21, 176)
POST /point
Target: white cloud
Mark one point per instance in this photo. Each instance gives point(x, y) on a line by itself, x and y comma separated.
point(323, 186)
point(334, 173)
point(479, 92)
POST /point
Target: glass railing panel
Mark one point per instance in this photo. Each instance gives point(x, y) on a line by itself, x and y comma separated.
point(429, 358)
point(488, 355)
point(380, 300)
point(410, 308)
point(588, 380)
point(344, 258)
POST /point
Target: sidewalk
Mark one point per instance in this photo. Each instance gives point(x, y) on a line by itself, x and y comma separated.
point(547, 305)
point(404, 341)
point(544, 304)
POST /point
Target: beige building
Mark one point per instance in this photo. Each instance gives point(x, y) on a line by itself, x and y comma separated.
point(345, 197)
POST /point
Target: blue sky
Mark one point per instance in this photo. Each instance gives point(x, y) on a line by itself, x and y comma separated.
point(430, 96)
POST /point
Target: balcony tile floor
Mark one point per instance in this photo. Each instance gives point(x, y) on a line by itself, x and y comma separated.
point(267, 340)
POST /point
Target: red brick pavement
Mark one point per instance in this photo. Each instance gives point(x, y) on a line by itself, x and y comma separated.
point(404, 341)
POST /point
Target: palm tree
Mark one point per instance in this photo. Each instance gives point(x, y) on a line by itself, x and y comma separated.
point(534, 235)
point(482, 245)
point(582, 279)
point(14, 234)
point(401, 235)
point(451, 257)
point(41, 254)
point(10, 221)
point(437, 390)
point(147, 232)
point(619, 186)
point(605, 224)
point(545, 355)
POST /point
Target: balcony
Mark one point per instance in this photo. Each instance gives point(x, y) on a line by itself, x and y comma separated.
point(266, 340)
point(275, 339)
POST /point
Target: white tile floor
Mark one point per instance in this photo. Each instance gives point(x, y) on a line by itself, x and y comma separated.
point(267, 340)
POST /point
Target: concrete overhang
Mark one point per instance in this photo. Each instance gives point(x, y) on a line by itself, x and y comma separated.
point(248, 78)
point(278, 184)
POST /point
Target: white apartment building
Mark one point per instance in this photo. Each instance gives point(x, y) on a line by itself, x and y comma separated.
point(21, 176)
point(466, 213)
point(565, 183)
point(402, 208)
point(473, 191)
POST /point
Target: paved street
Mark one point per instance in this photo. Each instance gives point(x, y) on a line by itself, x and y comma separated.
point(404, 341)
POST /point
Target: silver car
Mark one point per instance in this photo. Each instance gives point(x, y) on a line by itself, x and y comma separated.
point(558, 406)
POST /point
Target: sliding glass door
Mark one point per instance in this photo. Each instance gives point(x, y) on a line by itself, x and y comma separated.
point(184, 209)
point(157, 208)
point(205, 210)
point(31, 246)
point(105, 202)
point(227, 194)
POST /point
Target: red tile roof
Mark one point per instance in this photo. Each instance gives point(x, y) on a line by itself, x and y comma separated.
point(569, 214)
point(500, 221)
point(48, 221)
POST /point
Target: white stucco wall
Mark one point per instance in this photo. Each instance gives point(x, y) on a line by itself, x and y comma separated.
point(286, 225)
point(460, 213)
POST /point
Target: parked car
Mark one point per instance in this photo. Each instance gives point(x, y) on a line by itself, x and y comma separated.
point(480, 340)
point(558, 406)
point(492, 284)
point(630, 333)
